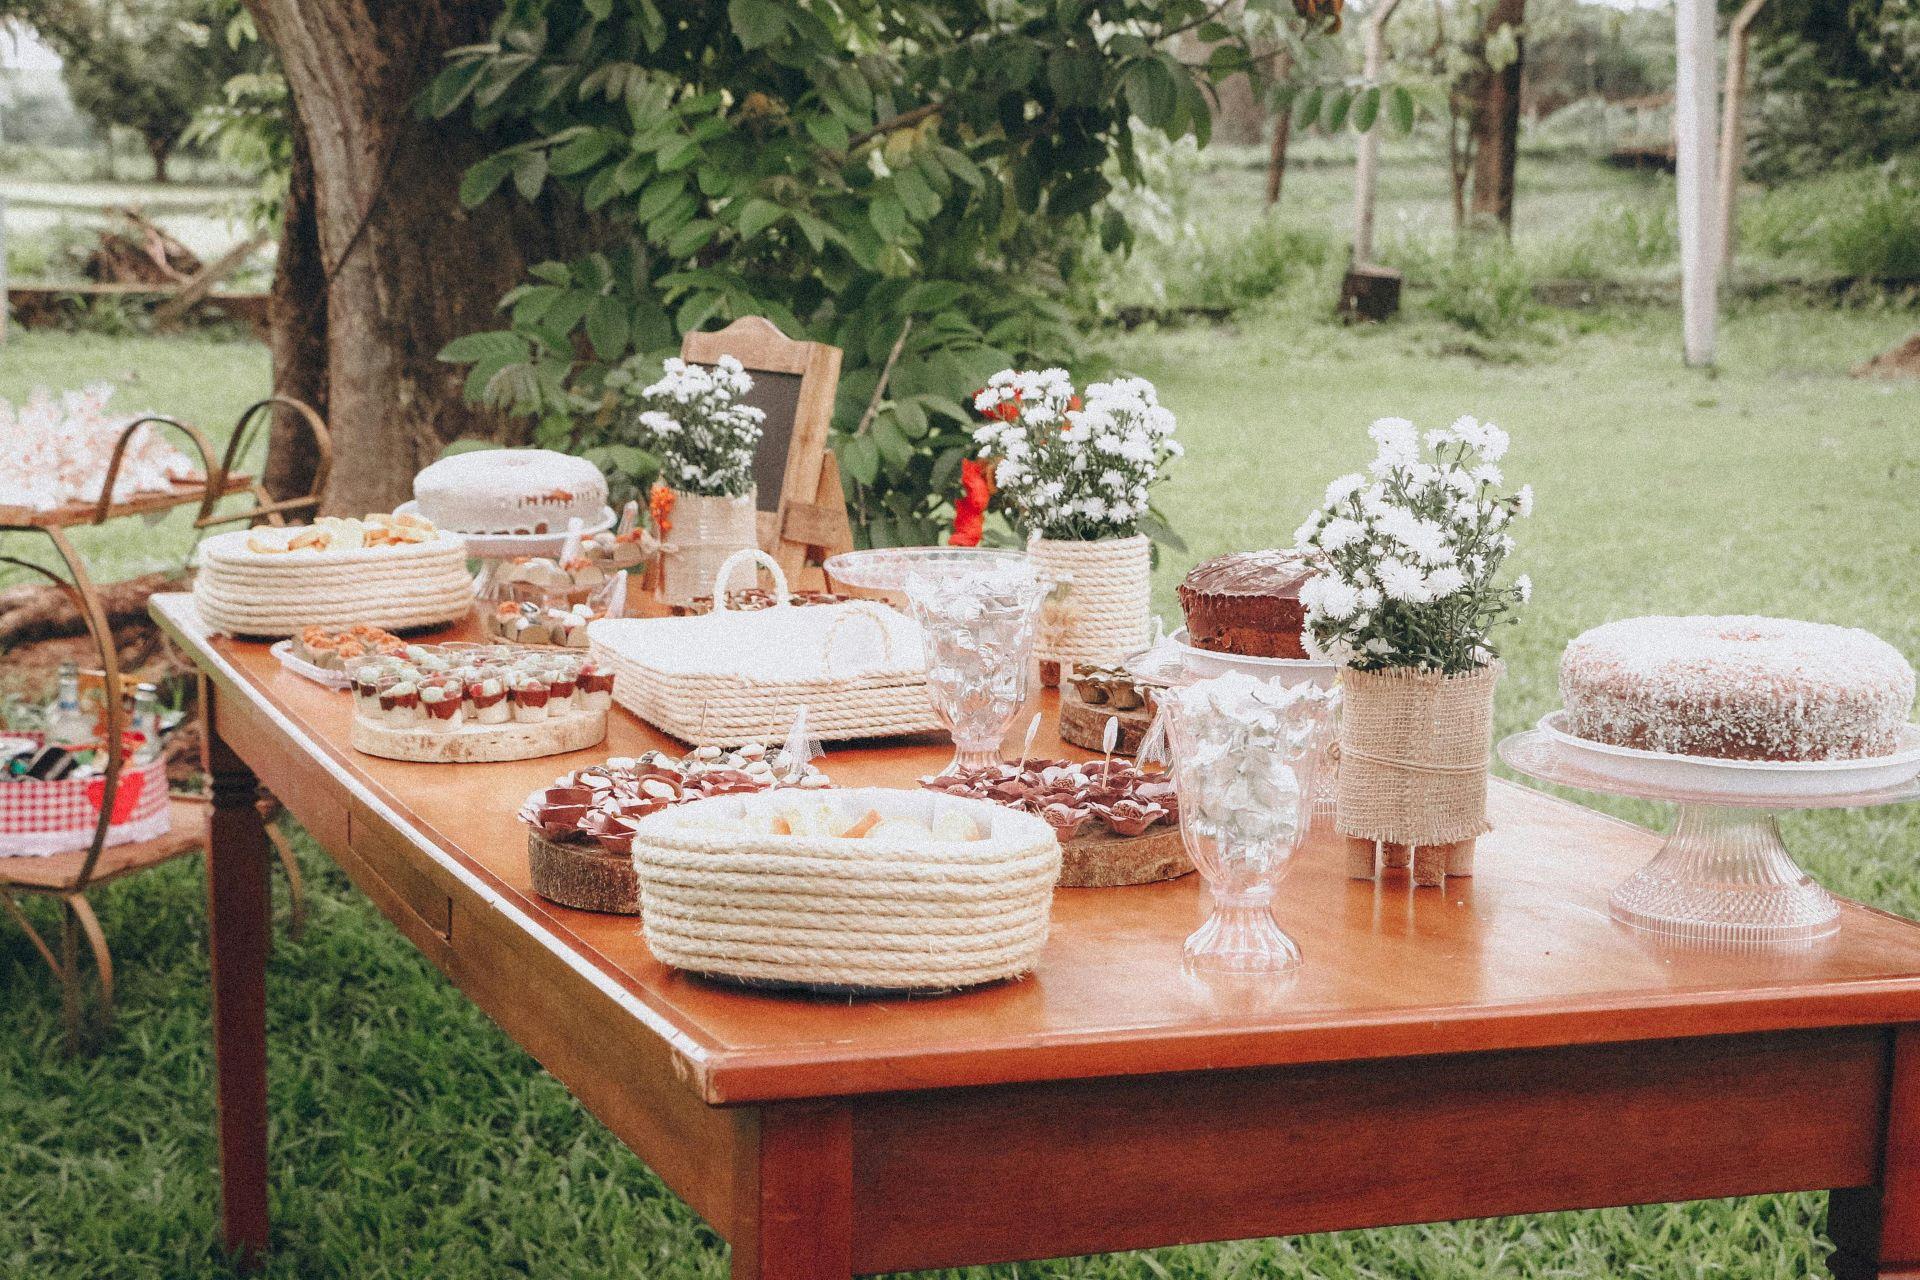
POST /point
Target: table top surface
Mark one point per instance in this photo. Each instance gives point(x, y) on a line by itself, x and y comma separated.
point(1521, 955)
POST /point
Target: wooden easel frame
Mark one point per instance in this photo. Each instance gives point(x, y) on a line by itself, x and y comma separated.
point(810, 521)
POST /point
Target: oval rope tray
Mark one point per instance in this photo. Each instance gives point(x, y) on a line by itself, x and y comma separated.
point(847, 915)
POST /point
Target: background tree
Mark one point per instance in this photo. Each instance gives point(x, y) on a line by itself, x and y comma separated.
point(854, 171)
point(145, 65)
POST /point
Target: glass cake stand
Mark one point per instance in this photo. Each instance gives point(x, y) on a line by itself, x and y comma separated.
point(1724, 876)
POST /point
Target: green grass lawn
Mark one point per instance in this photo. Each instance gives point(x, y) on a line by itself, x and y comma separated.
point(411, 1138)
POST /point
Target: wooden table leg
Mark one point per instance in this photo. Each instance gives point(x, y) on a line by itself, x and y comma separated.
point(239, 913)
point(1876, 1230)
point(793, 1196)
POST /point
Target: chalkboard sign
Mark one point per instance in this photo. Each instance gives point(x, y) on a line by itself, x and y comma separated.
point(801, 509)
point(778, 396)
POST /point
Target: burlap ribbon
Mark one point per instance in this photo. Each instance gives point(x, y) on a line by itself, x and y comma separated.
point(1413, 754)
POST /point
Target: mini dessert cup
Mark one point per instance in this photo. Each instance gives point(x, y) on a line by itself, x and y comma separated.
point(441, 705)
point(529, 696)
point(596, 689)
point(400, 704)
point(487, 700)
point(561, 686)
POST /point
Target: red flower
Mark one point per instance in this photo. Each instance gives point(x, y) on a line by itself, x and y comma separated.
point(970, 509)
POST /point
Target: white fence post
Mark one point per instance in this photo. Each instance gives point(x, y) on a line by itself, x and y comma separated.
point(1695, 104)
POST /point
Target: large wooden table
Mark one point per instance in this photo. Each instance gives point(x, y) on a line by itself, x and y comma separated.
point(1500, 1047)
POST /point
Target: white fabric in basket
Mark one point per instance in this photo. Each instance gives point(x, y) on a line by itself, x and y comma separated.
point(819, 642)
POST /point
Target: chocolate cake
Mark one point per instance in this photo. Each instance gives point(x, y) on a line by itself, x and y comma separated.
point(1247, 602)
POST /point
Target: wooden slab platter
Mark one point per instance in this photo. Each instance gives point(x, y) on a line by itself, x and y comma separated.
point(583, 876)
point(477, 743)
point(1102, 860)
point(1084, 724)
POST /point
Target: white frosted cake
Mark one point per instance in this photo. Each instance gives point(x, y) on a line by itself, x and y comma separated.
point(1738, 688)
point(511, 491)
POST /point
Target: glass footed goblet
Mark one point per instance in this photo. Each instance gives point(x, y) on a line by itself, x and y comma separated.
point(978, 628)
point(1246, 758)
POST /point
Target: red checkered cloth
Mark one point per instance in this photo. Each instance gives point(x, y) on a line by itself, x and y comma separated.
point(39, 819)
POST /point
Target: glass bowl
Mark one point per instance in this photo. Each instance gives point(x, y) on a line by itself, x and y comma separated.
point(882, 572)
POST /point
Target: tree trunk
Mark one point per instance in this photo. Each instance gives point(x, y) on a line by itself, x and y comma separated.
point(160, 149)
point(1282, 134)
point(297, 315)
point(1496, 122)
point(405, 269)
point(1732, 145)
point(1367, 162)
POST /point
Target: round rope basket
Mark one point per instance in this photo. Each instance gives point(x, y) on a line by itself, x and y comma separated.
point(847, 915)
point(1107, 613)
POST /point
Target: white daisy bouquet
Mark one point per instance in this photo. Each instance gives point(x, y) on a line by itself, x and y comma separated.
point(1409, 553)
point(692, 420)
point(1074, 469)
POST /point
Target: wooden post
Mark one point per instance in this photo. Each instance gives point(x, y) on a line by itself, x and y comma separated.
point(1876, 1230)
point(1695, 96)
point(1366, 169)
point(1730, 135)
point(793, 1196)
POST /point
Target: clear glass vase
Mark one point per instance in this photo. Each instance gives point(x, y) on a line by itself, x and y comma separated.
point(978, 628)
point(1246, 759)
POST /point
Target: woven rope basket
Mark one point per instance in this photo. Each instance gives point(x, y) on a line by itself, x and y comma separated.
point(847, 915)
point(728, 677)
point(1107, 614)
point(248, 593)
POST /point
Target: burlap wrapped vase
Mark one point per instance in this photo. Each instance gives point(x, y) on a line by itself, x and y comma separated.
point(1099, 612)
point(1413, 769)
point(706, 531)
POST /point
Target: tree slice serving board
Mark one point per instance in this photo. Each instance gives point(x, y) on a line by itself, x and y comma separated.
point(1084, 723)
point(475, 743)
point(583, 876)
point(1102, 860)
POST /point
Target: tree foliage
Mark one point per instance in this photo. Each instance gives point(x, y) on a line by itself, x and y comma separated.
point(1837, 81)
point(915, 175)
point(147, 65)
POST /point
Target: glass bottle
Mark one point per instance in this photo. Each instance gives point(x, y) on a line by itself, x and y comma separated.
point(67, 723)
point(146, 723)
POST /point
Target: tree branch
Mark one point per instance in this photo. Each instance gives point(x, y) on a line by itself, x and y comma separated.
point(888, 125)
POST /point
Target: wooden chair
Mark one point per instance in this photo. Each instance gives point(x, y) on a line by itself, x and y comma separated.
point(803, 509)
point(68, 877)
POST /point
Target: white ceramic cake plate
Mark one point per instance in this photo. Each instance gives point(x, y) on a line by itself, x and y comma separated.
point(1769, 782)
point(506, 546)
point(1204, 663)
point(1724, 877)
point(331, 677)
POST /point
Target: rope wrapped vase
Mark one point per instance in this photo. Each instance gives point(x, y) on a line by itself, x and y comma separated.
point(707, 532)
point(1413, 769)
point(846, 914)
point(1101, 609)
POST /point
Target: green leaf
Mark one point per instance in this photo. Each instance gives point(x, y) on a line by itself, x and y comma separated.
point(860, 457)
point(530, 173)
point(1307, 109)
point(660, 193)
point(757, 215)
point(483, 180)
point(582, 153)
point(451, 87)
point(1366, 108)
point(1400, 109)
point(1334, 114)
point(854, 88)
point(1148, 86)
point(692, 238)
point(961, 167)
point(888, 217)
point(920, 201)
point(498, 345)
point(600, 10)
point(828, 132)
point(893, 444)
point(757, 22)
point(1078, 193)
point(607, 327)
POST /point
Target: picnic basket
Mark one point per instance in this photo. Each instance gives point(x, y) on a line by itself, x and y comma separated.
point(733, 676)
point(40, 818)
